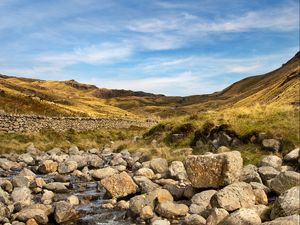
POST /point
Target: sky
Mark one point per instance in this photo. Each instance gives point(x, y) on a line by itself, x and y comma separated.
point(172, 47)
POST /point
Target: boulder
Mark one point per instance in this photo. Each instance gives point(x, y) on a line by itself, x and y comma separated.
point(64, 212)
point(103, 173)
point(271, 145)
point(214, 170)
point(234, 196)
point(267, 173)
point(119, 185)
point(287, 204)
point(170, 209)
point(57, 187)
point(177, 170)
point(19, 181)
point(28, 174)
point(67, 167)
point(145, 172)
point(22, 196)
point(216, 216)
point(250, 174)
point(145, 184)
point(271, 160)
point(292, 156)
point(260, 197)
point(287, 220)
point(48, 166)
point(159, 165)
point(194, 219)
point(242, 217)
point(38, 213)
point(284, 181)
point(263, 211)
point(201, 202)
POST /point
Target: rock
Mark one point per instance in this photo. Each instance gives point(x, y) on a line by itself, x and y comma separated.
point(194, 219)
point(36, 213)
point(242, 217)
point(256, 185)
point(260, 197)
point(147, 213)
point(267, 173)
point(234, 196)
point(145, 184)
point(145, 172)
point(216, 216)
point(9, 165)
point(201, 202)
point(178, 171)
point(28, 174)
point(292, 156)
point(119, 185)
point(262, 211)
point(31, 222)
point(250, 174)
point(123, 205)
point(177, 191)
point(159, 165)
point(6, 185)
point(64, 212)
point(47, 197)
point(288, 220)
point(73, 200)
point(103, 173)
point(118, 161)
point(22, 195)
point(287, 204)
point(271, 145)
point(82, 160)
point(271, 160)
point(48, 166)
point(214, 170)
point(67, 167)
point(26, 158)
point(160, 222)
point(57, 187)
point(284, 181)
point(19, 181)
point(4, 197)
point(171, 210)
point(39, 182)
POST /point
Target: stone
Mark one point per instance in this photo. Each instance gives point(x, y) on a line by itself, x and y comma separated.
point(287, 220)
point(177, 191)
point(194, 219)
point(215, 170)
point(171, 210)
point(147, 212)
point(262, 211)
point(201, 202)
point(284, 181)
point(234, 196)
point(256, 185)
point(145, 172)
point(73, 200)
point(57, 187)
point(38, 215)
point(31, 222)
point(4, 197)
point(48, 166)
point(6, 185)
point(67, 167)
point(22, 195)
point(271, 145)
point(145, 185)
point(9, 165)
point(103, 173)
point(64, 212)
point(260, 197)
point(159, 165)
point(267, 173)
point(19, 181)
point(177, 170)
point(26, 158)
point(271, 160)
point(292, 156)
point(28, 174)
point(47, 197)
point(250, 174)
point(160, 222)
point(119, 185)
point(287, 204)
point(123, 205)
point(216, 216)
point(242, 217)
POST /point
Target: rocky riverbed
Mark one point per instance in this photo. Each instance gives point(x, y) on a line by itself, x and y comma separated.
point(101, 187)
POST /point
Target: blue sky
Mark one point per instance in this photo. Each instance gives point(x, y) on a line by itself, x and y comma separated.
point(170, 47)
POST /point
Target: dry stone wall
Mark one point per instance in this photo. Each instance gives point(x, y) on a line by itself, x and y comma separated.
point(32, 123)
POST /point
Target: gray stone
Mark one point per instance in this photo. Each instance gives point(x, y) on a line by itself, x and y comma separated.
point(284, 181)
point(271, 145)
point(159, 165)
point(178, 171)
point(287, 220)
point(271, 160)
point(216, 216)
point(171, 210)
point(250, 174)
point(267, 173)
point(64, 212)
point(242, 217)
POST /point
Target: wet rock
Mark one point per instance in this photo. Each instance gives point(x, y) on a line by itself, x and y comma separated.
point(177, 170)
point(242, 217)
point(119, 185)
point(271, 145)
point(171, 210)
point(216, 216)
point(103, 173)
point(287, 204)
point(214, 170)
point(64, 212)
point(159, 165)
point(271, 160)
point(48, 166)
point(234, 196)
point(284, 181)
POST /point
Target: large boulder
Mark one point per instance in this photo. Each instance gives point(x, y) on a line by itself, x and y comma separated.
point(242, 217)
point(287, 204)
point(119, 185)
point(214, 170)
point(170, 209)
point(64, 212)
point(284, 181)
point(48, 166)
point(234, 196)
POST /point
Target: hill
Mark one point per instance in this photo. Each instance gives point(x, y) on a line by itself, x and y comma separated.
point(70, 98)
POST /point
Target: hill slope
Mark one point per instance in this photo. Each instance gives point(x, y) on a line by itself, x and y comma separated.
point(69, 98)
